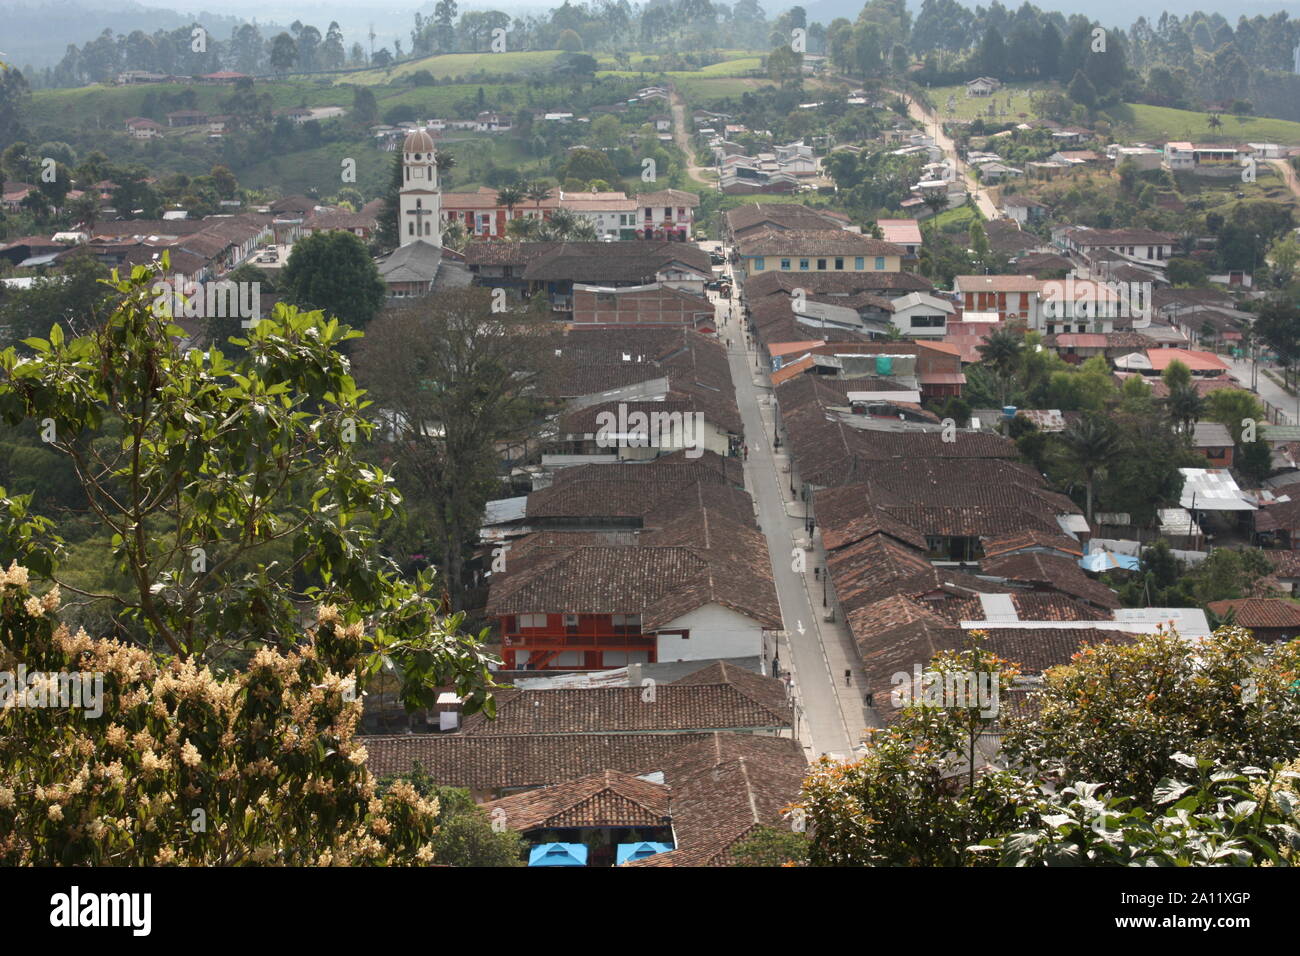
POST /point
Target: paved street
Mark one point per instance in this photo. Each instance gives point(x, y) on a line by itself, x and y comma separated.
point(817, 652)
point(1268, 390)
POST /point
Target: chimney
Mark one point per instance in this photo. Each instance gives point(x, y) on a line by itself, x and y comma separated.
point(448, 709)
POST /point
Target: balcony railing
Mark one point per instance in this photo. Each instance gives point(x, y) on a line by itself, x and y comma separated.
point(613, 641)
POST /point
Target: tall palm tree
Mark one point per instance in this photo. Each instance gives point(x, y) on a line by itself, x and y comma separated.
point(937, 202)
point(1002, 351)
point(510, 197)
point(445, 163)
point(1090, 444)
point(537, 191)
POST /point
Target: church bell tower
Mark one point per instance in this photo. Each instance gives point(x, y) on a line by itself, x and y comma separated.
point(420, 200)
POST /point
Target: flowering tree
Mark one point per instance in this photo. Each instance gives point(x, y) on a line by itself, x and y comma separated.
point(160, 760)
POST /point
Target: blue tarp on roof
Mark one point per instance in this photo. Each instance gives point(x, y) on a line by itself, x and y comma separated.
point(1109, 560)
point(627, 852)
point(558, 854)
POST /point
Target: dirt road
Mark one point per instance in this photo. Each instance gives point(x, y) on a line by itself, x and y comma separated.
point(945, 143)
point(682, 137)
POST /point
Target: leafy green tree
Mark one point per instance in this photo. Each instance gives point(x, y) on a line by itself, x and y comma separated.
point(1223, 817)
point(1116, 712)
point(231, 491)
point(465, 835)
point(284, 53)
point(334, 272)
point(1231, 407)
point(365, 108)
point(455, 378)
point(1278, 324)
point(1082, 91)
point(74, 300)
point(771, 846)
point(1256, 460)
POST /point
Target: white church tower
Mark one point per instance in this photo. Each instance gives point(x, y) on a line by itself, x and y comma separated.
point(420, 200)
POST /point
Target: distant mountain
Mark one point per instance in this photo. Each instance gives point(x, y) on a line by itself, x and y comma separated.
point(1110, 13)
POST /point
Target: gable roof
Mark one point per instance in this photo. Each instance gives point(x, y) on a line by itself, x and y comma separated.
point(723, 788)
point(1054, 571)
point(605, 799)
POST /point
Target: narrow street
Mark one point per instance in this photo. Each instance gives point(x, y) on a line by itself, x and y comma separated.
point(830, 713)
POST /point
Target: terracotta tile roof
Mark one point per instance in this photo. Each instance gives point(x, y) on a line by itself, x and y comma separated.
point(717, 701)
point(999, 544)
point(1002, 283)
point(722, 789)
point(627, 494)
point(668, 197)
point(605, 799)
point(508, 761)
point(756, 217)
point(505, 253)
point(891, 620)
point(826, 283)
point(1286, 564)
point(367, 217)
point(805, 242)
point(1029, 605)
point(1033, 649)
point(1037, 649)
point(846, 516)
point(676, 467)
point(1057, 572)
point(1119, 237)
point(1259, 612)
point(634, 261)
point(698, 558)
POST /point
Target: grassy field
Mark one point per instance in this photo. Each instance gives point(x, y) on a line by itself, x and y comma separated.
point(954, 220)
point(109, 106)
point(1160, 124)
point(450, 65)
point(319, 168)
point(968, 107)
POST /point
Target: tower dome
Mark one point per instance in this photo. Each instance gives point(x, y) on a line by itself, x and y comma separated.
point(418, 142)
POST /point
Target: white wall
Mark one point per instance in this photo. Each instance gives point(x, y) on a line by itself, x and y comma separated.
point(716, 631)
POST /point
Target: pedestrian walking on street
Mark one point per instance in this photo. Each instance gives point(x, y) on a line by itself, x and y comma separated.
point(848, 676)
point(746, 450)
